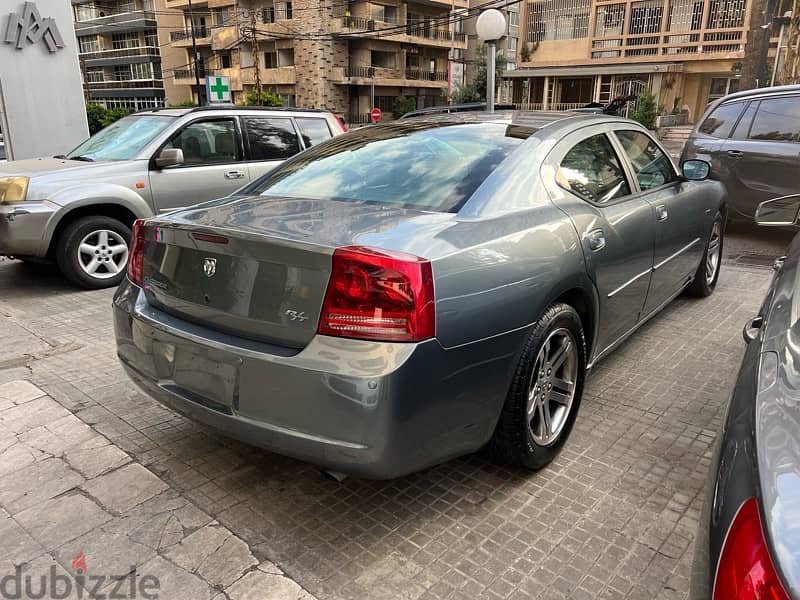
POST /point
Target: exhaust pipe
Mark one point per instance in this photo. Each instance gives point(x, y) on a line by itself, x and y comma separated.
point(334, 475)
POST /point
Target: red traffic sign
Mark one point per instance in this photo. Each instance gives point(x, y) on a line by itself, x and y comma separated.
point(375, 115)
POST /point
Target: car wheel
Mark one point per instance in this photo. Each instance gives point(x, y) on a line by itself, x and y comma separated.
point(705, 279)
point(92, 252)
point(545, 393)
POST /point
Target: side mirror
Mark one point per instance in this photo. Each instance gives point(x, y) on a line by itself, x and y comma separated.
point(778, 212)
point(169, 157)
point(695, 169)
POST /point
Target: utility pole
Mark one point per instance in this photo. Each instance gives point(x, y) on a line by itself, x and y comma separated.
point(256, 58)
point(196, 55)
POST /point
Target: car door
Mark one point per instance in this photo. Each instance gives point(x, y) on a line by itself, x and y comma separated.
point(213, 164)
point(762, 156)
point(681, 219)
point(269, 141)
point(615, 227)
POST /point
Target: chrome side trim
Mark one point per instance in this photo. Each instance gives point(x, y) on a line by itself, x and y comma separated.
point(676, 255)
point(613, 293)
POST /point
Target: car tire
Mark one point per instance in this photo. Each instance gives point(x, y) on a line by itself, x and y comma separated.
point(521, 436)
point(704, 279)
point(92, 252)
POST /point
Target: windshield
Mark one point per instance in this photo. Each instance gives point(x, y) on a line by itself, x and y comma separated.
point(123, 139)
point(433, 166)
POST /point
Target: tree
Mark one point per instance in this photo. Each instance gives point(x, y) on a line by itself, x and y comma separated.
point(267, 99)
point(100, 117)
point(646, 110)
point(475, 90)
point(402, 105)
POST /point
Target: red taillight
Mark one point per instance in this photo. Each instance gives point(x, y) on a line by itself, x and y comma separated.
point(136, 254)
point(379, 295)
point(746, 571)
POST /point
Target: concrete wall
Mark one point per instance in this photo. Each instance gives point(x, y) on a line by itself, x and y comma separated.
point(42, 108)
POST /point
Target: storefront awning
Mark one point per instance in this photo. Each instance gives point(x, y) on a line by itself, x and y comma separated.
point(590, 71)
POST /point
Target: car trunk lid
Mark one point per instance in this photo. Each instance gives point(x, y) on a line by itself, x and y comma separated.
point(256, 267)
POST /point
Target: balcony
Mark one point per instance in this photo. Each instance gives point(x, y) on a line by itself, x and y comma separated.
point(183, 39)
point(119, 56)
point(274, 76)
point(404, 77)
point(125, 84)
point(117, 23)
point(412, 33)
point(700, 45)
point(186, 77)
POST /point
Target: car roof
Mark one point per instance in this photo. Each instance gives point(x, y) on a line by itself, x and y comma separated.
point(179, 112)
point(526, 122)
point(771, 91)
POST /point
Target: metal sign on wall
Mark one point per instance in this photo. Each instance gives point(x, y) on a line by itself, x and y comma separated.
point(28, 26)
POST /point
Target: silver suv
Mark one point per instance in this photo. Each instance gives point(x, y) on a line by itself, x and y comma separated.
point(78, 209)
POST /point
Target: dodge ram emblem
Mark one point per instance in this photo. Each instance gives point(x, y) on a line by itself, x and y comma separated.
point(210, 266)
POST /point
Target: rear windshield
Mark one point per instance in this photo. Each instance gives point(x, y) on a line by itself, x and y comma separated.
point(420, 165)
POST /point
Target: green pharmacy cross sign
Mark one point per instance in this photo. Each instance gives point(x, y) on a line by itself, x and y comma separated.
point(218, 89)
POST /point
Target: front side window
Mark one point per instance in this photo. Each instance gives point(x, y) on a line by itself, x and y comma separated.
point(652, 167)
point(123, 139)
point(206, 142)
point(777, 120)
point(271, 138)
point(720, 122)
point(592, 171)
point(313, 131)
point(420, 165)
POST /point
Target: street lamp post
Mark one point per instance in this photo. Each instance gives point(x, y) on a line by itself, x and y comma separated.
point(491, 26)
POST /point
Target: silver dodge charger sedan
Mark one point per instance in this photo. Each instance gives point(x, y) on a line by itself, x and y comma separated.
point(415, 291)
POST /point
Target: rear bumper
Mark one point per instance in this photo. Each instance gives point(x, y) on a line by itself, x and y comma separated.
point(373, 409)
point(23, 227)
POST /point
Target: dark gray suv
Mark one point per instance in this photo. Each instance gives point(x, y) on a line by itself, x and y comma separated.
point(752, 140)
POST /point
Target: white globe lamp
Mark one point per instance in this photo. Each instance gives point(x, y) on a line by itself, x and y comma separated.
point(490, 27)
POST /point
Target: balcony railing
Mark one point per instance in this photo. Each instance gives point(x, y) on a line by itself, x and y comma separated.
point(123, 84)
point(699, 43)
point(186, 74)
point(363, 24)
point(366, 72)
point(558, 106)
point(426, 75)
point(180, 36)
point(121, 52)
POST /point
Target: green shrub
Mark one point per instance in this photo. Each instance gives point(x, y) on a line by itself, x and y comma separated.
point(100, 117)
point(646, 110)
point(402, 105)
point(267, 98)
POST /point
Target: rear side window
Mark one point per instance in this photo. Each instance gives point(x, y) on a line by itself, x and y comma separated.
point(720, 122)
point(592, 171)
point(313, 130)
point(271, 138)
point(777, 120)
point(743, 128)
point(652, 167)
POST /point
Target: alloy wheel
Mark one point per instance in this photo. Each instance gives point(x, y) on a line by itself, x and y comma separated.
point(552, 387)
point(102, 254)
point(713, 252)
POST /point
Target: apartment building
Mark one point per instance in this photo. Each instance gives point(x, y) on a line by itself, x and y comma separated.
point(332, 55)
point(688, 52)
point(123, 45)
point(507, 46)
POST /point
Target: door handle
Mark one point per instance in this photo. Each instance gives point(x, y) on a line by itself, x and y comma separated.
point(751, 329)
point(661, 212)
point(735, 153)
point(597, 239)
point(234, 174)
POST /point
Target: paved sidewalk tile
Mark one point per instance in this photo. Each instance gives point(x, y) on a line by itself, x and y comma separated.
point(121, 490)
point(19, 392)
point(258, 585)
point(57, 521)
point(36, 483)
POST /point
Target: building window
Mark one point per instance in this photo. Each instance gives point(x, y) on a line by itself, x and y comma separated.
point(557, 20)
point(220, 16)
point(284, 11)
point(646, 16)
point(142, 70)
point(271, 60)
point(610, 20)
point(512, 45)
point(89, 43)
point(124, 40)
point(268, 14)
point(685, 15)
point(85, 12)
point(381, 12)
point(94, 74)
point(385, 60)
point(726, 13)
point(224, 60)
point(151, 38)
point(286, 57)
point(122, 73)
point(513, 19)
